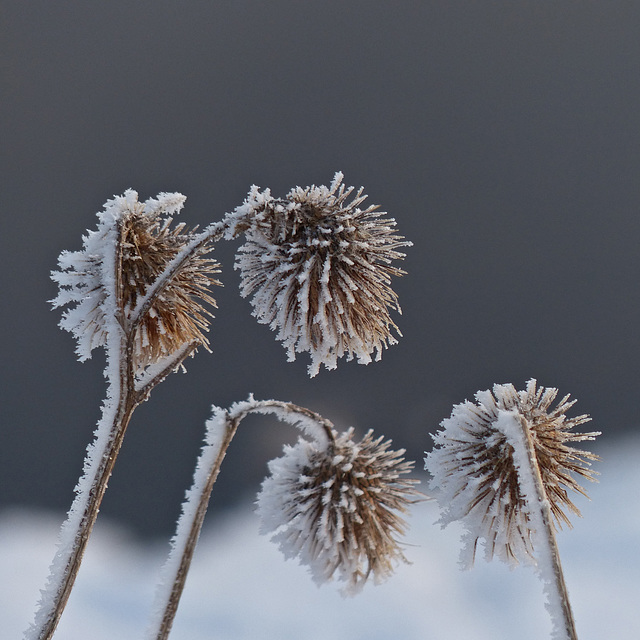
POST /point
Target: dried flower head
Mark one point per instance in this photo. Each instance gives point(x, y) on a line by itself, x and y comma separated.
point(338, 508)
point(473, 465)
point(319, 270)
point(133, 244)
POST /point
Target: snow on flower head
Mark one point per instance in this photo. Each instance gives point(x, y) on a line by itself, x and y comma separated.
point(473, 465)
point(338, 508)
point(319, 271)
point(131, 247)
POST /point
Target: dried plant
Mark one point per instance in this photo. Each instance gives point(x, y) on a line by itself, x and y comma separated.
point(129, 292)
point(335, 504)
point(338, 507)
point(131, 248)
point(319, 269)
point(503, 468)
point(181, 314)
point(141, 289)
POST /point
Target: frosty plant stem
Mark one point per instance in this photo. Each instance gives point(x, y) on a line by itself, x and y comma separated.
point(538, 509)
point(105, 282)
point(221, 429)
point(91, 488)
point(503, 467)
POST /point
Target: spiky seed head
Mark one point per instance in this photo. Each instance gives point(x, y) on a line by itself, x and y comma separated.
point(133, 244)
point(473, 466)
point(338, 509)
point(319, 269)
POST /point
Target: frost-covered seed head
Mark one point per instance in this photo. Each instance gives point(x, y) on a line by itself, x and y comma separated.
point(132, 246)
point(338, 508)
point(319, 270)
point(473, 465)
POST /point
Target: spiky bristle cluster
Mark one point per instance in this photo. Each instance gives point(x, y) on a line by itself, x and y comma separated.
point(473, 466)
point(338, 509)
point(178, 316)
point(319, 271)
point(131, 248)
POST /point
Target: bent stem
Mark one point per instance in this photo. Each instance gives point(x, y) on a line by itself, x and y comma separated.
point(549, 567)
point(221, 429)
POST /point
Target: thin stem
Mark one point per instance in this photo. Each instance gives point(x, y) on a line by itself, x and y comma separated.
point(549, 567)
point(153, 376)
point(557, 589)
point(191, 539)
point(221, 429)
point(82, 516)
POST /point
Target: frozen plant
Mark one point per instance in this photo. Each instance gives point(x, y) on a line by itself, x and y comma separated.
point(333, 503)
point(338, 506)
point(137, 288)
point(503, 468)
point(319, 269)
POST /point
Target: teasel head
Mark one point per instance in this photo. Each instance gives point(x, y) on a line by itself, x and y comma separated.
point(319, 270)
point(130, 249)
point(474, 467)
point(338, 508)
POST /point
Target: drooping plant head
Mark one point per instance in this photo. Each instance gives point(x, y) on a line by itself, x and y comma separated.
point(338, 507)
point(104, 282)
point(319, 269)
point(473, 467)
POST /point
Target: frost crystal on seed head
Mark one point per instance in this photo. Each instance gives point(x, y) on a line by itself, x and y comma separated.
point(319, 271)
point(133, 244)
point(473, 465)
point(338, 508)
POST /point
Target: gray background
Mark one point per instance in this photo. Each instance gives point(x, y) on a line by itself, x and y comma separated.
point(502, 135)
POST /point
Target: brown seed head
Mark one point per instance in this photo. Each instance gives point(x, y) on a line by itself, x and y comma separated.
point(472, 464)
point(338, 509)
point(103, 283)
point(179, 315)
point(319, 269)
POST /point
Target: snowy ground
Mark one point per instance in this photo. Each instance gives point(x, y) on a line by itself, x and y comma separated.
point(241, 588)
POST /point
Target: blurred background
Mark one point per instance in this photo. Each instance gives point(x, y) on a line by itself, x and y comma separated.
point(503, 136)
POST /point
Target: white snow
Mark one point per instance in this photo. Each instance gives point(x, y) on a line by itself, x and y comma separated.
point(240, 588)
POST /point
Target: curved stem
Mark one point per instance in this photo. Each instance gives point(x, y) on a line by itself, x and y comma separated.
point(188, 543)
point(221, 429)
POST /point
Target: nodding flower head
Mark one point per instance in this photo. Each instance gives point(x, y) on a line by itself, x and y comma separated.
point(338, 508)
point(319, 270)
point(133, 244)
point(473, 465)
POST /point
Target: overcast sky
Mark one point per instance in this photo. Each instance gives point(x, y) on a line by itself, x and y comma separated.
point(503, 136)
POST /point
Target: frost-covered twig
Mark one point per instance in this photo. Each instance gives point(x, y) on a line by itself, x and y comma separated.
point(329, 500)
point(503, 469)
point(131, 247)
point(538, 512)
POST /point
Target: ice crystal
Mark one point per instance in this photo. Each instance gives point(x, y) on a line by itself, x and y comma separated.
point(337, 508)
point(319, 268)
point(473, 465)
